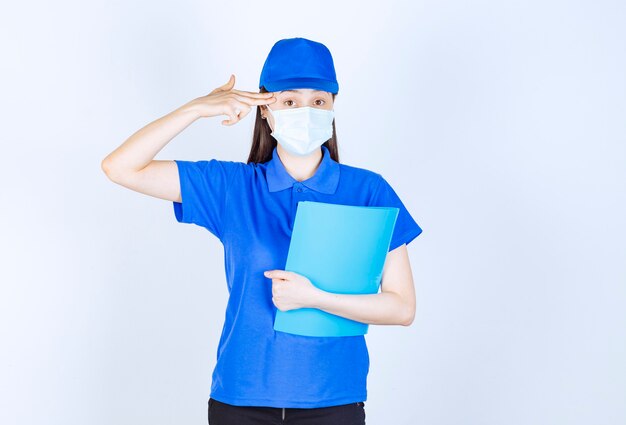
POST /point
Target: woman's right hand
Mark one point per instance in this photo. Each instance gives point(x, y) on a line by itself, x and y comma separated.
point(225, 100)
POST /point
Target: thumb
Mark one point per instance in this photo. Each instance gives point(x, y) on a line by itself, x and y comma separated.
point(277, 274)
point(230, 83)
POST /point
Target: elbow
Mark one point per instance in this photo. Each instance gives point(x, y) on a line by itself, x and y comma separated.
point(408, 317)
point(408, 322)
point(104, 165)
point(109, 169)
point(404, 311)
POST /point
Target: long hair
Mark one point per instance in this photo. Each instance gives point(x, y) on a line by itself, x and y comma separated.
point(263, 143)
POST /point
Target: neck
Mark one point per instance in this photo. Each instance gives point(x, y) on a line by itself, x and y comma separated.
point(300, 167)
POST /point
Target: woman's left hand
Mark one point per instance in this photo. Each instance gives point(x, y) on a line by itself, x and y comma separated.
point(291, 290)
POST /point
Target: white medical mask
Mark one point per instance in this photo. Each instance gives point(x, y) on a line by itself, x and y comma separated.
point(302, 130)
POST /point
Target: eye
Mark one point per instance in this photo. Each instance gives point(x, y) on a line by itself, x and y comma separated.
point(321, 100)
point(288, 101)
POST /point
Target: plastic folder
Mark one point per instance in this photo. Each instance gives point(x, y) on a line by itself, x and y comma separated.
point(340, 249)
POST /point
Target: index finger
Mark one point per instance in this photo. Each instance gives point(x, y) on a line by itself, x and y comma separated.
point(253, 94)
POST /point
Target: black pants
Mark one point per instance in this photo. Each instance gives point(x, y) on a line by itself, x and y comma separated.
point(228, 414)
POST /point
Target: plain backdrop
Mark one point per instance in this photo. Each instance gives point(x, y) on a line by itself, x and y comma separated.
point(501, 125)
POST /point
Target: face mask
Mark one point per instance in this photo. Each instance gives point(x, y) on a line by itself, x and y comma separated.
point(302, 130)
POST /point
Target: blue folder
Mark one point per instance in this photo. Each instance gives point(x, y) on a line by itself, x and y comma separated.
point(340, 249)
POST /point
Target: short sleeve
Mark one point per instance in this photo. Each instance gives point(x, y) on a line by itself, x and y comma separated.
point(406, 229)
point(203, 188)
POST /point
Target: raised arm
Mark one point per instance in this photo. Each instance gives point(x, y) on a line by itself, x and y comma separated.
point(132, 164)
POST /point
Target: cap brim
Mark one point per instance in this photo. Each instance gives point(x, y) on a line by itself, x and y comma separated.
point(303, 83)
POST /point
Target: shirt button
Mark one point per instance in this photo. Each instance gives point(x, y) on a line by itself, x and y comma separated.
point(299, 189)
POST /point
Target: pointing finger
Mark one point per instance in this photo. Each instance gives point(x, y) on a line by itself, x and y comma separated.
point(253, 94)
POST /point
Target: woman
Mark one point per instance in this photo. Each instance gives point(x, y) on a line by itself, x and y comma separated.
point(263, 375)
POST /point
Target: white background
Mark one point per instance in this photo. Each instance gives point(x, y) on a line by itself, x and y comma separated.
point(501, 125)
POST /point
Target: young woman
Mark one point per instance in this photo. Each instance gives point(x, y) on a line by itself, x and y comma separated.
point(263, 375)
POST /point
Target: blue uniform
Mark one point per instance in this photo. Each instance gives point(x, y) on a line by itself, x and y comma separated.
point(251, 209)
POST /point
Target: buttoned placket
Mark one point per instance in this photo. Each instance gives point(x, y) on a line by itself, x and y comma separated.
point(299, 192)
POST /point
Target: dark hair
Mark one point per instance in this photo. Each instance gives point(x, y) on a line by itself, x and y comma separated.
point(263, 143)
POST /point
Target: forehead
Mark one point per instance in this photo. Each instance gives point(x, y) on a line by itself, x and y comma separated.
point(305, 91)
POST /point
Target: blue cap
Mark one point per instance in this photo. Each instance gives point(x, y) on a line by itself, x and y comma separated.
point(298, 63)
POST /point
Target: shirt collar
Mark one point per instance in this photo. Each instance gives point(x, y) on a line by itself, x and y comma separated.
point(325, 179)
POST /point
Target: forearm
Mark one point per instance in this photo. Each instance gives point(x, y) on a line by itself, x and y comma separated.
point(143, 145)
point(384, 308)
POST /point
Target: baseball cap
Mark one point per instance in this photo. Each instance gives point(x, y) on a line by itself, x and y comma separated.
point(296, 63)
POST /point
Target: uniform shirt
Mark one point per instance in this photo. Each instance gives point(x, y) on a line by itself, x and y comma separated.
point(251, 209)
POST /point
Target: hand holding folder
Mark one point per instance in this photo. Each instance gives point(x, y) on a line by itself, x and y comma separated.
point(340, 249)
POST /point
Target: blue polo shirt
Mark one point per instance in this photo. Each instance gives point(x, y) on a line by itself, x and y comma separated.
point(251, 208)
